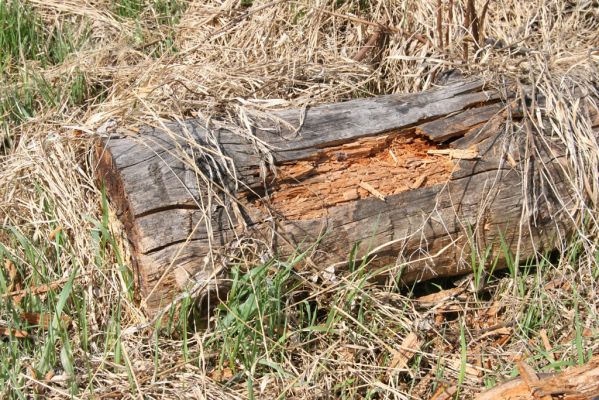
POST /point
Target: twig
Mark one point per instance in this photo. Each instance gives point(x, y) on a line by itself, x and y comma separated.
point(483, 15)
point(440, 22)
point(473, 26)
point(416, 36)
point(38, 289)
point(449, 20)
point(467, 22)
point(370, 44)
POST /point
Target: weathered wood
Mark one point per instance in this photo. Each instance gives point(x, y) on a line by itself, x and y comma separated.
point(580, 382)
point(340, 182)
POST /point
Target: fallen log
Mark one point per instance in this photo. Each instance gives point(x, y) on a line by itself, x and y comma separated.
point(417, 182)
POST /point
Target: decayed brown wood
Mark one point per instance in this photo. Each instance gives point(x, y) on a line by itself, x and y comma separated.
point(354, 173)
point(580, 383)
point(381, 166)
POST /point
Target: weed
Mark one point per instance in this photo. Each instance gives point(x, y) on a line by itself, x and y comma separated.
point(25, 38)
point(129, 8)
point(165, 12)
point(21, 33)
point(169, 12)
point(50, 293)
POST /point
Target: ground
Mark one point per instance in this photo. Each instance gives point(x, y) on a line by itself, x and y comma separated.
point(69, 320)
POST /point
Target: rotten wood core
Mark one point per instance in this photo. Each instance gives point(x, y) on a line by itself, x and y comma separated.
point(369, 167)
point(413, 182)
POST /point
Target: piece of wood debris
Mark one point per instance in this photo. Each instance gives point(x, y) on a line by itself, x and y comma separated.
point(500, 331)
point(434, 299)
point(368, 187)
point(6, 331)
point(472, 372)
point(409, 346)
point(351, 194)
point(546, 343)
point(493, 310)
point(49, 375)
point(221, 375)
point(38, 289)
point(530, 377)
point(418, 182)
point(299, 170)
point(394, 157)
point(13, 276)
point(580, 383)
point(42, 320)
point(457, 154)
point(444, 393)
point(55, 232)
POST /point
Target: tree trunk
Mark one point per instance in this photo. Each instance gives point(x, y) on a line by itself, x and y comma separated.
point(413, 182)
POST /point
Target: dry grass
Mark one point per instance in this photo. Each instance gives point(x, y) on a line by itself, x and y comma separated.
point(230, 59)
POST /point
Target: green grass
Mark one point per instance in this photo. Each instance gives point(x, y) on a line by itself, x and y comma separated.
point(32, 93)
point(252, 325)
point(169, 12)
point(21, 34)
point(271, 320)
point(270, 309)
point(165, 12)
point(29, 46)
point(129, 8)
point(48, 274)
point(25, 37)
point(154, 17)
